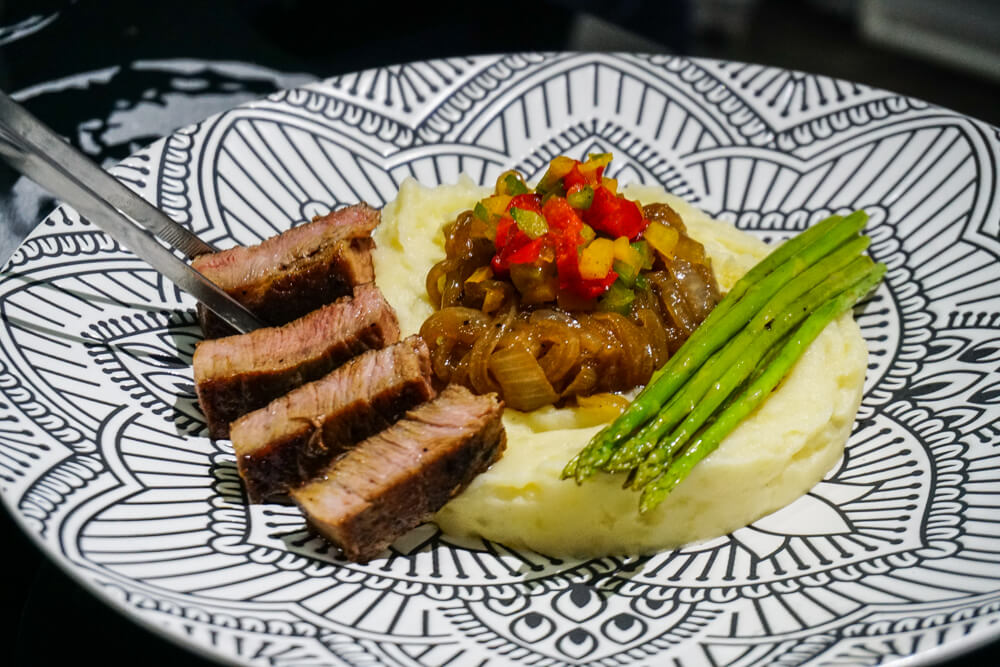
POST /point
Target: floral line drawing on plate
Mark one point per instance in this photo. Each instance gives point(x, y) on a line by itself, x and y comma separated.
point(106, 462)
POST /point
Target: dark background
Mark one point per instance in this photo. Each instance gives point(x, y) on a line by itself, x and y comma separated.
point(94, 71)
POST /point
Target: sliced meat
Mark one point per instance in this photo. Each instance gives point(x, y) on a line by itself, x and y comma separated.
point(238, 374)
point(297, 271)
point(289, 440)
point(399, 478)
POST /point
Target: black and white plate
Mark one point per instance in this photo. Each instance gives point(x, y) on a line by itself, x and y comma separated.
point(104, 459)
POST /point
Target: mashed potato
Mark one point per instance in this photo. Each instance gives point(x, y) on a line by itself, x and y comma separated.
point(778, 453)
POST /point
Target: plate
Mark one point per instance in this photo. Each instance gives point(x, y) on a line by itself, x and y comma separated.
point(105, 463)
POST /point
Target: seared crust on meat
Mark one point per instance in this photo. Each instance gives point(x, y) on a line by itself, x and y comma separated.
point(288, 441)
point(293, 273)
point(400, 477)
point(238, 374)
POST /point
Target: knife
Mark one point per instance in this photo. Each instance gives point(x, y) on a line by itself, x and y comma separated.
point(39, 153)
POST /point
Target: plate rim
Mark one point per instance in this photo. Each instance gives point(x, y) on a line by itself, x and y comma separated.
point(935, 655)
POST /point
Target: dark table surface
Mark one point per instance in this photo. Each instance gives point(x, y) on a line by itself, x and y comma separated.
point(115, 75)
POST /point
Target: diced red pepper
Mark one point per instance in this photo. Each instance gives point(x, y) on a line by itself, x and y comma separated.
point(574, 178)
point(506, 228)
point(594, 287)
point(563, 219)
point(527, 253)
point(499, 265)
point(526, 202)
point(514, 246)
point(562, 235)
point(615, 215)
point(602, 208)
point(630, 221)
point(519, 250)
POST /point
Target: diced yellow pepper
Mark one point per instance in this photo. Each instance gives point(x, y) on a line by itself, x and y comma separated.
point(480, 274)
point(662, 238)
point(628, 261)
point(595, 160)
point(621, 247)
point(493, 300)
point(610, 184)
point(626, 253)
point(560, 166)
point(593, 163)
point(497, 204)
point(602, 407)
point(596, 258)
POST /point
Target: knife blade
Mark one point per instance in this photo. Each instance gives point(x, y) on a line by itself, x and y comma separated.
point(41, 155)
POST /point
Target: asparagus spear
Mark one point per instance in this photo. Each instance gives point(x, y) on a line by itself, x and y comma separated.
point(732, 313)
point(709, 438)
point(712, 393)
point(771, 320)
point(762, 365)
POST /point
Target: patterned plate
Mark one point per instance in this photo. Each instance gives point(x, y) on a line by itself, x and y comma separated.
point(104, 459)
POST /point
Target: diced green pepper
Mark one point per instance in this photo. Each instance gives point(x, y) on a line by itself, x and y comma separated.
point(642, 247)
point(531, 223)
point(582, 198)
point(627, 273)
point(618, 299)
point(481, 212)
point(552, 181)
point(514, 185)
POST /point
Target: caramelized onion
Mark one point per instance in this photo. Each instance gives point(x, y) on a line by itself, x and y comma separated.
point(583, 384)
point(561, 345)
point(435, 281)
point(666, 214)
point(656, 335)
point(636, 368)
point(521, 336)
point(461, 324)
point(697, 286)
point(523, 380)
point(673, 302)
point(447, 329)
point(479, 356)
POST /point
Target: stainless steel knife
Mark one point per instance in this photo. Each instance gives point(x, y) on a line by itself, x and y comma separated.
point(39, 153)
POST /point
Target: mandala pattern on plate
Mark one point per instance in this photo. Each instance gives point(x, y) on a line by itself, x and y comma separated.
point(104, 458)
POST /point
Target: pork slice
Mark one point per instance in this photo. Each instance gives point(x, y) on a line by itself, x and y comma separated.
point(295, 272)
point(238, 374)
point(289, 440)
point(400, 477)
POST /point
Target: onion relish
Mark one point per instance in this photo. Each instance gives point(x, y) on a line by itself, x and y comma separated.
point(564, 290)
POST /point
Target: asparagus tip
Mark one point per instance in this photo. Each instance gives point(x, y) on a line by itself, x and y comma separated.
point(571, 468)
